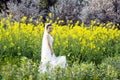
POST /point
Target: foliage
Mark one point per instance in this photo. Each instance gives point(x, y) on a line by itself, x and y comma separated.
point(110, 68)
point(27, 69)
point(92, 43)
point(76, 10)
point(87, 50)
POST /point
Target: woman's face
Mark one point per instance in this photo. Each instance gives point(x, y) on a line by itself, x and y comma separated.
point(49, 29)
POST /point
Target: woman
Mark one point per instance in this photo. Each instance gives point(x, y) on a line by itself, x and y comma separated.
point(47, 55)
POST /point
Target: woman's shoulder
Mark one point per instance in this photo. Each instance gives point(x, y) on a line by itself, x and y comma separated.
point(48, 35)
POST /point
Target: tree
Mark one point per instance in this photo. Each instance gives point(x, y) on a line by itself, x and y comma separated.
point(102, 11)
point(68, 10)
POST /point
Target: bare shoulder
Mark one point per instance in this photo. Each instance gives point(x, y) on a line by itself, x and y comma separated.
point(48, 36)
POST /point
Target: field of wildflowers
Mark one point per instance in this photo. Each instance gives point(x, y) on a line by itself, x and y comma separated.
point(87, 49)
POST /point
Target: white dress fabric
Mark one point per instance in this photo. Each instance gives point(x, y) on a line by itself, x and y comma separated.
point(47, 58)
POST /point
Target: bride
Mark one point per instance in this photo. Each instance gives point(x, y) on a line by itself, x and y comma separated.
point(47, 55)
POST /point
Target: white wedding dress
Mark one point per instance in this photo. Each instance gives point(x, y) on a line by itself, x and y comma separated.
point(47, 58)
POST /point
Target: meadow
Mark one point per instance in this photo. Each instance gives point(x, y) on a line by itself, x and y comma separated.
point(93, 52)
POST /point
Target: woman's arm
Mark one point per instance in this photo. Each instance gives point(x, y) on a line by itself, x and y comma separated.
point(48, 40)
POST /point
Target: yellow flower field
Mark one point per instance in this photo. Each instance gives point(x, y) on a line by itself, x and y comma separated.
point(92, 51)
point(78, 43)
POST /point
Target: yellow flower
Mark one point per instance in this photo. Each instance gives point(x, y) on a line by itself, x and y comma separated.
point(58, 18)
point(5, 47)
point(98, 48)
point(83, 42)
point(24, 19)
point(12, 44)
point(10, 16)
point(31, 19)
point(50, 14)
point(41, 17)
point(18, 47)
point(92, 45)
point(7, 33)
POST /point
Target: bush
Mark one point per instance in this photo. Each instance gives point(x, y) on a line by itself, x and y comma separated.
point(110, 68)
point(26, 69)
